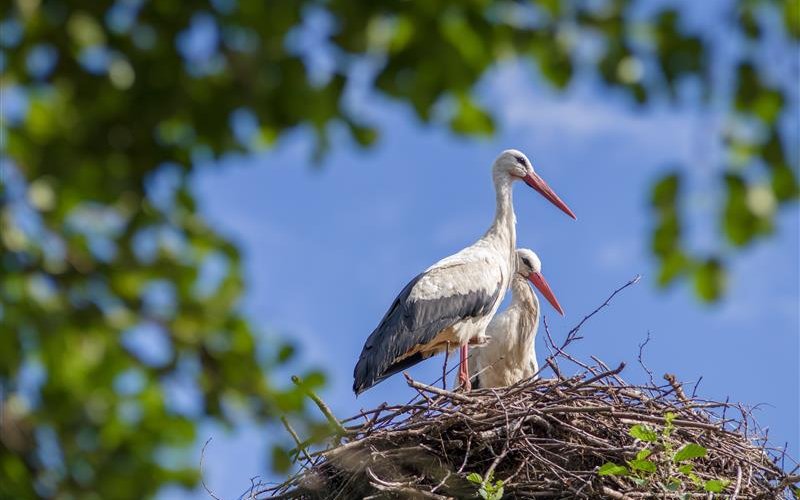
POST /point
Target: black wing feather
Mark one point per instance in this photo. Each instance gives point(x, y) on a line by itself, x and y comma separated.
point(409, 323)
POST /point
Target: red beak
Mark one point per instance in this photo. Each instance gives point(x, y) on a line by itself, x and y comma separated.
point(541, 284)
point(537, 183)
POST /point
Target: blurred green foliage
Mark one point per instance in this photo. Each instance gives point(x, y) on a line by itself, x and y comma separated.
point(122, 99)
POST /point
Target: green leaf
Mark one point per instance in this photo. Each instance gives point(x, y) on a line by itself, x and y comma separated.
point(791, 18)
point(285, 353)
point(643, 454)
point(475, 478)
point(665, 191)
point(364, 136)
point(716, 485)
point(281, 461)
point(686, 468)
point(612, 469)
point(673, 484)
point(471, 119)
point(498, 493)
point(709, 280)
point(673, 265)
point(768, 106)
point(642, 465)
point(639, 481)
point(689, 452)
point(740, 223)
point(784, 183)
point(643, 433)
point(670, 417)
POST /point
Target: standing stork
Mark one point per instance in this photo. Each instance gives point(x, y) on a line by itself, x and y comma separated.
point(452, 302)
point(510, 354)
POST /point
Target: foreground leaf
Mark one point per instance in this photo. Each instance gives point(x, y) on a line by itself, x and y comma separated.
point(642, 465)
point(643, 433)
point(716, 485)
point(690, 451)
point(474, 477)
point(612, 469)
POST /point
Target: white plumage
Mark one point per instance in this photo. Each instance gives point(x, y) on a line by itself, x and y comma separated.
point(510, 354)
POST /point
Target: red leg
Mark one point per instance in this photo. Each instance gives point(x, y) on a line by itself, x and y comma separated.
point(463, 369)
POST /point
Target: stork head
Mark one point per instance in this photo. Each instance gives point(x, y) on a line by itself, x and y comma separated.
point(516, 165)
point(529, 266)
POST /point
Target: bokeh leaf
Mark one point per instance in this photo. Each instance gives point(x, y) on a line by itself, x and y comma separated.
point(709, 280)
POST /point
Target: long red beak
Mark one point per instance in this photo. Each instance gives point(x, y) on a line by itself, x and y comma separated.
point(537, 183)
point(541, 284)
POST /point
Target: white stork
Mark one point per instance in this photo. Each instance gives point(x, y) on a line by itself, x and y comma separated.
point(453, 301)
point(510, 354)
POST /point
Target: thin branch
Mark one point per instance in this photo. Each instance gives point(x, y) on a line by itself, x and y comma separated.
point(325, 409)
point(435, 390)
point(641, 358)
point(696, 384)
point(673, 381)
point(202, 479)
point(571, 335)
point(300, 447)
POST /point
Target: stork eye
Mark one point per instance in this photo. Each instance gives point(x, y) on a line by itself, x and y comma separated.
point(527, 262)
point(520, 160)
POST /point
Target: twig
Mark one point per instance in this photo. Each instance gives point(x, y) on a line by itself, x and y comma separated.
point(603, 375)
point(554, 366)
point(673, 381)
point(641, 358)
point(322, 407)
point(696, 384)
point(290, 430)
point(441, 392)
point(560, 350)
point(614, 493)
point(202, 479)
point(399, 488)
point(571, 335)
point(738, 483)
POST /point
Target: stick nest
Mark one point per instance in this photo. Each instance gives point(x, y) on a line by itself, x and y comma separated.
point(546, 438)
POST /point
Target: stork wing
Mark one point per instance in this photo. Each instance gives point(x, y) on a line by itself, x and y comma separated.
point(435, 300)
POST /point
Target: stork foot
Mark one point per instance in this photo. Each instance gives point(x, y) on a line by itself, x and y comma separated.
point(466, 384)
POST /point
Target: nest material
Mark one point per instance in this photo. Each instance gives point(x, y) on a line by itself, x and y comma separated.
point(543, 439)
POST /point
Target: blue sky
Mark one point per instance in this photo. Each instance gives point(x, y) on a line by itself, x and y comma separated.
point(326, 250)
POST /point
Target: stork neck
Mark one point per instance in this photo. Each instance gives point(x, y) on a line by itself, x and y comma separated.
point(522, 294)
point(503, 227)
point(527, 304)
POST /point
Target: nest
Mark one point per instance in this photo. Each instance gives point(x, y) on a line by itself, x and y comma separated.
point(591, 435)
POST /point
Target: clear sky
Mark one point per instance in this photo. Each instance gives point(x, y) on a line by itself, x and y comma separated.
point(326, 250)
